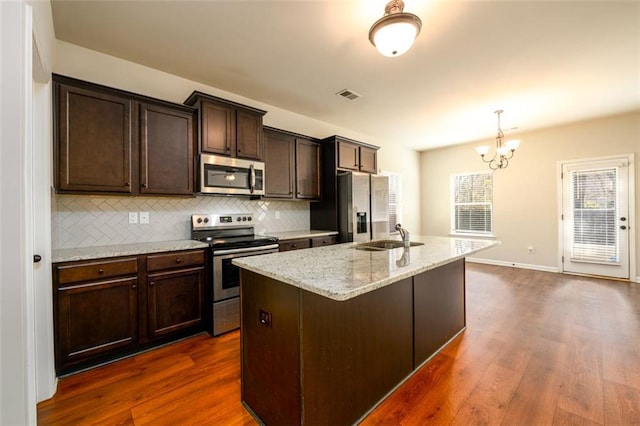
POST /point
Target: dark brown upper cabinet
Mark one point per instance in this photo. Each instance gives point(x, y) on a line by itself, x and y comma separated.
point(166, 150)
point(279, 164)
point(94, 141)
point(368, 159)
point(292, 166)
point(339, 155)
point(307, 169)
point(115, 142)
point(228, 128)
point(355, 156)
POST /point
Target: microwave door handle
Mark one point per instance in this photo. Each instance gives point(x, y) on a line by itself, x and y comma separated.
point(252, 174)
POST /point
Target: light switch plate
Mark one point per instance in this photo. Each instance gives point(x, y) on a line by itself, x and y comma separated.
point(144, 217)
point(133, 217)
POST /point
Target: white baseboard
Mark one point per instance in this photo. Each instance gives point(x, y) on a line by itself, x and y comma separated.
point(512, 264)
point(524, 266)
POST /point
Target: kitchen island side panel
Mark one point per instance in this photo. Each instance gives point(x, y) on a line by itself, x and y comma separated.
point(354, 352)
point(270, 349)
point(439, 308)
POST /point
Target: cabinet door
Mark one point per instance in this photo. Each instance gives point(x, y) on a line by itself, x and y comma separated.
point(249, 135)
point(368, 160)
point(439, 308)
point(217, 129)
point(307, 169)
point(174, 300)
point(348, 156)
point(93, 141)
point(95, 318)
point(166, 151)
point(279, 164)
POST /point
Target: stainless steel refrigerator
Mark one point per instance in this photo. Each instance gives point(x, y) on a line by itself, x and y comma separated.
point(363, 203)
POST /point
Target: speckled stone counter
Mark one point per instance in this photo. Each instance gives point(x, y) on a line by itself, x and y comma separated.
point(87, 253)
point(341, 272)
point(293, 235)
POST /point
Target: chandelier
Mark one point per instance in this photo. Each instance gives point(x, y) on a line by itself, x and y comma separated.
point(395, 32)
point(504, 150)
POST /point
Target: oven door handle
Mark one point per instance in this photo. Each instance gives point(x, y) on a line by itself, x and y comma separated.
point(245, 250)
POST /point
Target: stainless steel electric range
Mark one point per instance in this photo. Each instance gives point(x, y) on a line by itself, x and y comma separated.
point(229, 236)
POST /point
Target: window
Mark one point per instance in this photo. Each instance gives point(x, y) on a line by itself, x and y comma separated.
point(595, 215)
point(395, 200)
point(472, 203)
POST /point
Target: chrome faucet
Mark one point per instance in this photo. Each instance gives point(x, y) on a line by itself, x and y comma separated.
point(404, 234)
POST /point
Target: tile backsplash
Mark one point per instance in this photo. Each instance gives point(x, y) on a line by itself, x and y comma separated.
point(87, 220)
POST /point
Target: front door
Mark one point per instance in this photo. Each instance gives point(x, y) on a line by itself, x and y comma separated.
point(595, 213)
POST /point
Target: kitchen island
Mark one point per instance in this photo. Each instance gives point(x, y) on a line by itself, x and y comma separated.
point(327, 333)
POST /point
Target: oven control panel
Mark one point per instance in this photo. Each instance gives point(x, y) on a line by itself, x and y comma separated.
point(208, 221)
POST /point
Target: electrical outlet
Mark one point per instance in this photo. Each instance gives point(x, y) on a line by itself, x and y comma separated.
point(144, 217)
point(265, 318)
point(277, 214)
point(133, 217)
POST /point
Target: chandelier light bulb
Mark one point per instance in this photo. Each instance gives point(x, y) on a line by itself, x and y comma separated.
point(483, 150)
point(502, 151)
point(513, 145)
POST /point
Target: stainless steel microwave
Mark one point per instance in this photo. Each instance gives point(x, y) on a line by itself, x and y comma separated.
point(231, 176)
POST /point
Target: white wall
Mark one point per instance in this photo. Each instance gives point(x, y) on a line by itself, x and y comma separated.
point(526, 193)
point(89, 65)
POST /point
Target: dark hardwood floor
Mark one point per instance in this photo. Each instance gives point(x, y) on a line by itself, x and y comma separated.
point(539, 349)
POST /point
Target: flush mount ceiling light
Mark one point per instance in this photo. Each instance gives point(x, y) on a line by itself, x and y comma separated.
point(504, 151)
point(395, 32)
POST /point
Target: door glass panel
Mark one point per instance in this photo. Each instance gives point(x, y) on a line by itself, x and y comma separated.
point(595, 215)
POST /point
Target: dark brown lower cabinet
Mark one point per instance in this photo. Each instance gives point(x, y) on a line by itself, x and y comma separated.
point(295, 244)
point(96, 317)
point(107, 308)
point(308, 359)
point(174, 300)
point(302, 243)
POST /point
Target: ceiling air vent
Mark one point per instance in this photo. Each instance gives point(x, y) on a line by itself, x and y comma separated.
point(348, 94)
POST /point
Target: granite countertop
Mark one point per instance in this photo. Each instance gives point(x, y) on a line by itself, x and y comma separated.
point(87, 253)
point(340, 272)
point(293, 235)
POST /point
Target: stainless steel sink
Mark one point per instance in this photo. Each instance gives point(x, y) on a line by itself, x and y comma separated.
point(384, 245)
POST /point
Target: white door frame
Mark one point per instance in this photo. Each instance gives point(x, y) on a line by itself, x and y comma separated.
point(631, 217)
point(17, 348)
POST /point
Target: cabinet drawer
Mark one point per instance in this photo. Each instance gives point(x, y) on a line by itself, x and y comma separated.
point(176, 259)
point(96, 270)
point(324, 241)
point(300, 243)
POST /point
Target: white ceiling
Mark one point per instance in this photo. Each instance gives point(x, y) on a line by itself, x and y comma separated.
point(543, 62)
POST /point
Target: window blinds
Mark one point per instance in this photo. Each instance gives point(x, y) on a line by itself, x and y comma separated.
point(595, 213)
point(395, 214)
point(473, 203)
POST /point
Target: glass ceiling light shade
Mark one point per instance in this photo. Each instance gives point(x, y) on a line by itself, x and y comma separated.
point(504, 150)
point(395, 32)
